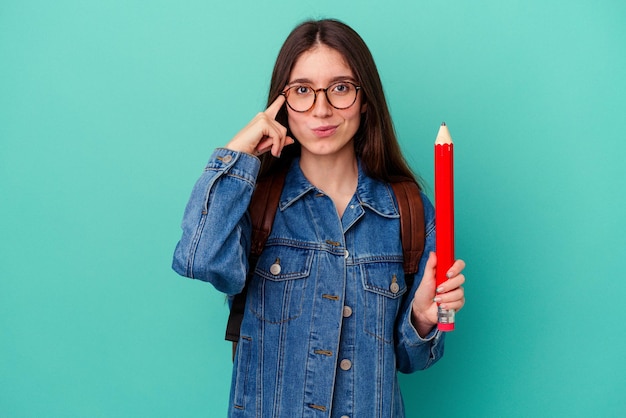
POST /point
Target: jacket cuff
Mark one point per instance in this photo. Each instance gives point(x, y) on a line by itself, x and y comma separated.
point(411, 335)
point(235, 163)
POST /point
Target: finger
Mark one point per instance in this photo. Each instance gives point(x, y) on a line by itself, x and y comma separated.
point(270, 136)
point(272, 132)
point(273, 109)
point(274, 139)
point(457, 305)
point(450, 297)
point(277, 150)
point(262, 148)
point(456, 268)
point(451, 284)
point(268, 144)
point(279, 142)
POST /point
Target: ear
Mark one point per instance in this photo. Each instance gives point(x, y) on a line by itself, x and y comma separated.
point(363, 107)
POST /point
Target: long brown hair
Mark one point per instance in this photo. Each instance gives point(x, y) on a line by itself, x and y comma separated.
point(375, 141)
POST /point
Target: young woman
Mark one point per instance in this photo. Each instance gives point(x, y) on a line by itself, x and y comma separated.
point(329, 318)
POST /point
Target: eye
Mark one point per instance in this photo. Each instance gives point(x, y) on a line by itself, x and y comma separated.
point(341, 88)
point(302, 90)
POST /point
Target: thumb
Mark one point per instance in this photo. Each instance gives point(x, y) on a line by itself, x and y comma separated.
point(423, 304)
point(426, 288)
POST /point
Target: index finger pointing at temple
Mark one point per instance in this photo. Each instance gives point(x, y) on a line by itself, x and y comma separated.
point(273, 109)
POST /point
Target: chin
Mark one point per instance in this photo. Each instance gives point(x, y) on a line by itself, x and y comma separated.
point(329, 149)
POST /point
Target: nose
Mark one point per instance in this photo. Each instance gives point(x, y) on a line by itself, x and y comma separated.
point(322, 108)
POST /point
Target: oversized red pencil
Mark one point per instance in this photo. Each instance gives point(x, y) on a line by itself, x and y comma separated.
point(444, 216)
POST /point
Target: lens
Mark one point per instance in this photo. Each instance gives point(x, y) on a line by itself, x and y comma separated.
point(300, 98)
point(341, 95)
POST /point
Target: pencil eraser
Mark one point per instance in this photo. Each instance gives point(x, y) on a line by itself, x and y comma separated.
point(445, 327)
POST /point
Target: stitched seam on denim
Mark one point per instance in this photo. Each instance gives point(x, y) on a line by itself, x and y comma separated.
point(384, 291)
point(318, 246)
point(380, 259)
point(394, 215)
point(240, 177)
point(245, 340)
point(282, 321)
point(430, 228)
point(194, 246)
point(374, 334)
point(434, 341)
point(259, 313)
point(287, 276)
point(380, 375)
point(260, 368)
point(279, 366)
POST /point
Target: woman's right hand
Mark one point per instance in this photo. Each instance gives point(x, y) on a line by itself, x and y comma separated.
point(263, 133)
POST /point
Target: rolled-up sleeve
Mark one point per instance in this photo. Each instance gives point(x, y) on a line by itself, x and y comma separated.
point(215, 238)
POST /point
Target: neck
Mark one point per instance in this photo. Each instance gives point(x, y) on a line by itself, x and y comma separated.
point(337, 176)
point(337, 173)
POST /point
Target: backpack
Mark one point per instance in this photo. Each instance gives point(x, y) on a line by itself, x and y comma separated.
point(264, 204)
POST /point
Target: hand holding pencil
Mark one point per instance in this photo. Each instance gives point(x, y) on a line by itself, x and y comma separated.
point(429, 297)
point(440, 293)
point(444, 216)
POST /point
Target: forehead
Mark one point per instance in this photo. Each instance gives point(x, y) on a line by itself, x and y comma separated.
point(320, 65)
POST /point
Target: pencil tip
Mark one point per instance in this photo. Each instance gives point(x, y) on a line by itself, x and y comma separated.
point(443, 124)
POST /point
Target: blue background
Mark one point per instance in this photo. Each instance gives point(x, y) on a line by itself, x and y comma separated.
point(110, 109)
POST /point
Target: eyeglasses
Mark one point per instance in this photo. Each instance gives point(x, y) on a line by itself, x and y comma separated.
point(301, 97)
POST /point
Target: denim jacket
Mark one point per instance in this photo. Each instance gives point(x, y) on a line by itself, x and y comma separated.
point(327, 320)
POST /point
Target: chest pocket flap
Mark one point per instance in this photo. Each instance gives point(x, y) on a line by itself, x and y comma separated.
point(278, 285)
point(386, 279)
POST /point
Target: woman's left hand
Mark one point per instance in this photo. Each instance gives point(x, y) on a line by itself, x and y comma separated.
point(449, 295)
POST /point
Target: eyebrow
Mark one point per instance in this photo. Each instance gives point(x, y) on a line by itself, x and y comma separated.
point(332, 80)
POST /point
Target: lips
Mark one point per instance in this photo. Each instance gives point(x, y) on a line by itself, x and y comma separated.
point(325, 131)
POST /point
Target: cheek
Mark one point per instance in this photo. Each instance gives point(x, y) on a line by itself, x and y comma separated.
point(355, 116)
point(295, 122)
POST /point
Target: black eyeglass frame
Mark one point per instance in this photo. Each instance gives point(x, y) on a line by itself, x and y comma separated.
point(325, 90)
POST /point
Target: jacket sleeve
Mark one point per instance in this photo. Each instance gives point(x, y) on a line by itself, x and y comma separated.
point(412, 351)
point(215, 242)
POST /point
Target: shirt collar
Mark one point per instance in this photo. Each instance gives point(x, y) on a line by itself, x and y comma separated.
point(371, 193)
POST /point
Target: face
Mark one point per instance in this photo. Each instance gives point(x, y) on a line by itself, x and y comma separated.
point(324, 130)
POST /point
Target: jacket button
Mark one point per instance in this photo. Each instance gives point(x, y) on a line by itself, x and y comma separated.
point(227, 158)
point(275, 268)
point(394, 287)
point(345, 416)
point(346, 254)
point(347, 311)
point(345, 364)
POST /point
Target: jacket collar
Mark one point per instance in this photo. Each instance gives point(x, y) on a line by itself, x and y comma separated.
point(371, 193)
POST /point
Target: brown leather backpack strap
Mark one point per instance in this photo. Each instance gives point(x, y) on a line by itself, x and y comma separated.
point(262, 208)
point(412, 228)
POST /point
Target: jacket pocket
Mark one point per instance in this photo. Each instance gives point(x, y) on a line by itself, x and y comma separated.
point(384, 286)
point(277, 288)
